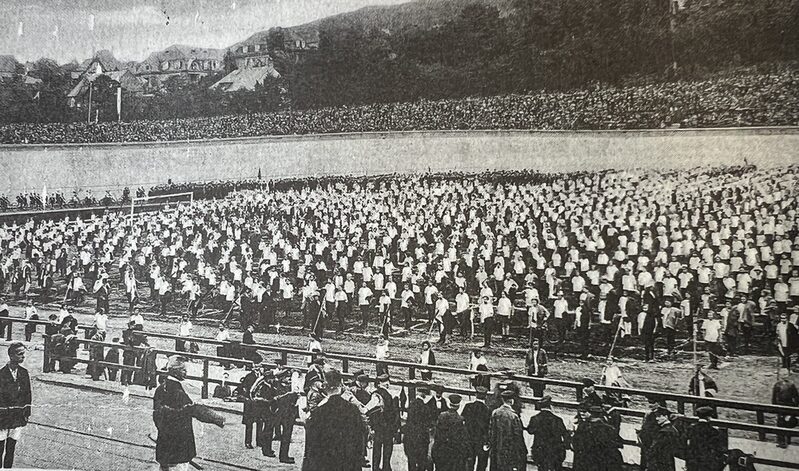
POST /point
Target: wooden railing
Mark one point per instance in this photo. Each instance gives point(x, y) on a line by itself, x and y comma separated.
point(411, 382)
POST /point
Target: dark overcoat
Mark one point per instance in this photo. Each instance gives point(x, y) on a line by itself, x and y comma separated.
point(173, 419)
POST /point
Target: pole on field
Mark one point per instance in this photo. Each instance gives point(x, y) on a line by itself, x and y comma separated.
point(89, 114)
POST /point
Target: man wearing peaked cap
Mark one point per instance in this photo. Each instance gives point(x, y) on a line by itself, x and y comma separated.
point(705, 444)
point(450, 442)
point(385, 425)
point(506, 439)
point(550, 437)
point(477, 416)
point(664, 443)
point(417, 429)
point(455, 401)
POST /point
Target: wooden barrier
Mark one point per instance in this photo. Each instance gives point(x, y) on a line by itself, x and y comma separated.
point(411, 383)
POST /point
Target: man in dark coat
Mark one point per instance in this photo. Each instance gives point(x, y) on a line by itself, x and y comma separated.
point(334, 431)
point(506, 441)
point(418, 428)
point(15, 402)
point(706, 446)
point(248, 418)
point(173, 419)
point(385, 424)
point(596, 445)
point(450, 443)
point(784, 394)
point(649, 426)
point(285, 409)
point(550, 437)
point(664, 445)
point(478, 419)
point(536, 362)
point(648, 330)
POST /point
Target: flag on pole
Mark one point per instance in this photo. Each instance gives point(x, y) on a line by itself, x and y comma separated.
point(44, 194)
point(20, 29)
point(119, 103)
point(55, 31)
point(91, 22)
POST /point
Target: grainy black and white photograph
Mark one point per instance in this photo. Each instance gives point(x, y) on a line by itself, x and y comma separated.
point(422, 235)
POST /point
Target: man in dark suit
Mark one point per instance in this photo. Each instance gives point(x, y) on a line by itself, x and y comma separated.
point(596, 444)
point(385, 425)
point(536, 362)
point(787, 340)
point(664, 444)
point(506, 441)
point(333, 433)
point(422, 414)
point(15, 402)
point(648, 329)
point(172, 417)
point(550, 437)
point(248, 417)
point(784, 394)
point(450, 443)
point(284, 409)
point(478, 418)
point(706, 446)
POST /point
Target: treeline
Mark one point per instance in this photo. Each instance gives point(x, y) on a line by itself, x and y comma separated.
point(544, 44)
point(489, 47)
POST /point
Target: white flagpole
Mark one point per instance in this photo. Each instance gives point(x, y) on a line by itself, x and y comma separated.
point(119, 104)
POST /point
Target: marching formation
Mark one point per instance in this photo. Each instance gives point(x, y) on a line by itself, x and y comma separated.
point(591, 258)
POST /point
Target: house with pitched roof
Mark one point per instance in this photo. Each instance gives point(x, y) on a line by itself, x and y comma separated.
point(189, 62)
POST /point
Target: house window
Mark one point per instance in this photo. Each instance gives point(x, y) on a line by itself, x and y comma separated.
point(165, 65)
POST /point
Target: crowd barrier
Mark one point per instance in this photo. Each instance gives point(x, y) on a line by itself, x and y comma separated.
point(410, 381)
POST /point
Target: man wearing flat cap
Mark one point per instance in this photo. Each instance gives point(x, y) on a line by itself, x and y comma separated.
point(478, 420)
point(706, 448)
point(450, 442)
point(590, 395)
point(316, 371)
point(385, 424)
point(596, 444)
point(362, 395)
point(550, 437)
point(173, 412)
point(418, 429)
point(506, 441)
point(664, 445)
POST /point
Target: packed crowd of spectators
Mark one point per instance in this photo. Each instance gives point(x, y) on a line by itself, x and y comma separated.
point(748, 99)
point(576, 256)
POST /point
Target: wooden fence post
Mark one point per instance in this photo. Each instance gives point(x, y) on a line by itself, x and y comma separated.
point(681, 407)
point(45, 354)
point(345, 365)
point(411, 389)
point(8, 332)
point(205, 379)
point(761, 420)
